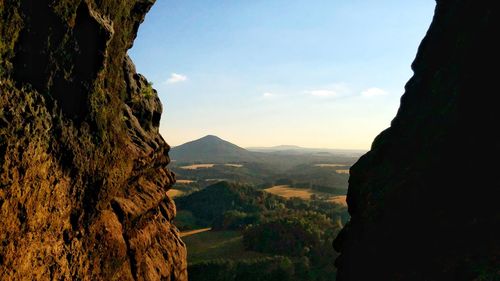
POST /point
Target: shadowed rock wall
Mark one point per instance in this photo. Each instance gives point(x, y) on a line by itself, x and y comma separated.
point(424, 200)
point(82, 165)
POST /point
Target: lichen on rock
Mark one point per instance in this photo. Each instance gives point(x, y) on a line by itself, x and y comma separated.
point(83, 175)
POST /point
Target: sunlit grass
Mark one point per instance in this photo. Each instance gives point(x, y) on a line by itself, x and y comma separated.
point(197, 166)
point(183, 181)
point(342, 171)
point(339, 200)
point(233, 165)
point(172, 193)
point(209, 245)
point(330, 165)
point(289, 192)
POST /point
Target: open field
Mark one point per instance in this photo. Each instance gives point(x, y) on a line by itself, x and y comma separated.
point(289, 192)
point(197, 166)
point(193, 232)
point(216, 179)
point(172, 193)
point(234, 165)
point(183, 181)
point(303, 193)
point(330, 165)
point(339, 200)
point(342, 171)
point(210, 245)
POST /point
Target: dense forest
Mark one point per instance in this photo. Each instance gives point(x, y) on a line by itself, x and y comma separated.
point(294, 235)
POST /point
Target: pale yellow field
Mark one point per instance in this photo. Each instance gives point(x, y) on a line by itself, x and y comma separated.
point(234, 165)
point(184, 181)
point(193, 232)
point(339, 200)
point(342, 171)
point(330, 165)
point(288, 192)
point(197, 166)
point(216, 180)
point(172, 193)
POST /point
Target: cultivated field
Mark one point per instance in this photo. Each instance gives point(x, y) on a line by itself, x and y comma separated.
point(197, 166)
point(209, 245)
point(183, 181)
point(289, 192)
point(342, 171)
point(339, 200)
point(172, 193)
point(330, 165)
point(193, 232)
point(216, 179)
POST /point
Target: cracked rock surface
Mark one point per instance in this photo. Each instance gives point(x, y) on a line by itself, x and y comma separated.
point(83, 175)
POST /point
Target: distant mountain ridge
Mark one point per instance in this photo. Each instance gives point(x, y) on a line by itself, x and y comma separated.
point(214, 150)
point(294, 149)
point(256, 168)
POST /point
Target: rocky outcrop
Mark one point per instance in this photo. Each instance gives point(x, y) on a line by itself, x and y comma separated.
point(424, 200)
point(83, 175)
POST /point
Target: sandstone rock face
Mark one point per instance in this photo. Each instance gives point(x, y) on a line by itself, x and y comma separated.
point(83, 175)
point(424, 200)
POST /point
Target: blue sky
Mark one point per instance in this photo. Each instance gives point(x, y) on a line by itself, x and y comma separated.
point(314, 73)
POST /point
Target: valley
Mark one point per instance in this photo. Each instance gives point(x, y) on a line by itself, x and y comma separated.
point(90, 189)
point(323, 173)
point(273, 209)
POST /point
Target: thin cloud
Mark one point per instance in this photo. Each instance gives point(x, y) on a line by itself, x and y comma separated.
point(334, 91)
point(373, 92)
point(323, 93)
point(268, 95)
point(176, 78)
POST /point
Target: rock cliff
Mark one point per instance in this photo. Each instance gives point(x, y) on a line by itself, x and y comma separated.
point(424, 200)
point(83, 175)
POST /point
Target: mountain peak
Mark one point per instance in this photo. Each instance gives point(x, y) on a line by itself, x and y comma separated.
point(211, 137)
point(210, 149)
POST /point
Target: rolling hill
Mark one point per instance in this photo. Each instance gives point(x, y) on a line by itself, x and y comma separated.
point(297, 150)
point(212, 149)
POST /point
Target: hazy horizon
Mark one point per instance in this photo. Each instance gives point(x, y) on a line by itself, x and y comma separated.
point(268, 146)
point(316, 74)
